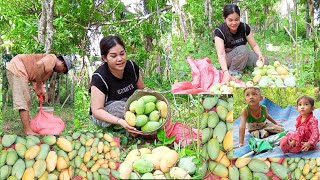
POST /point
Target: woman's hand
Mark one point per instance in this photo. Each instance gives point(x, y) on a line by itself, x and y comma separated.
point(292, 143)
point(129, 128)
point(226, 77)
point(305, 146)
point(261, 58)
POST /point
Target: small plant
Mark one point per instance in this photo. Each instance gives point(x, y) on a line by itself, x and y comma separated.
point(163, 140)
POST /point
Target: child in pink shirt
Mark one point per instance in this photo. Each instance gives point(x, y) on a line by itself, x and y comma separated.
point(306, 135)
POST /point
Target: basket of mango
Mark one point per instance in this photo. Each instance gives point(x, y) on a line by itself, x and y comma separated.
point(147, 111)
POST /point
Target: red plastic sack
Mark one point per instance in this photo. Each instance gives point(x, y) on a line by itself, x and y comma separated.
point(45, 123)
point(183, 133)
point(204, 75)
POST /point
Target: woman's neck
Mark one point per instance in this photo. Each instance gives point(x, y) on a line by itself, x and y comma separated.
point(117, 73)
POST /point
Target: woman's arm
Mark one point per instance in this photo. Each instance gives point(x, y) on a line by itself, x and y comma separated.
point(255, 47)
point(222, 58)
point(140, 83)
point(242, 128)
point(98, 112)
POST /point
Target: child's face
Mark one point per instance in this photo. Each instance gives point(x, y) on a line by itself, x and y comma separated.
point(304, 107)
point(252, 96)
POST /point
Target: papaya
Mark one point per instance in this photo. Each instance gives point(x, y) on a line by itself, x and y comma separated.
point(130, 118)
point(162, 108)
point(50, 139)
point(149, 107)
point(8, 140)
point(64, 144)
point(18, 168)
point(150, 126)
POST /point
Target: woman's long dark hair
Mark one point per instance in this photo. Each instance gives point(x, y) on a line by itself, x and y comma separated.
point(227, 10)
point(109, 42)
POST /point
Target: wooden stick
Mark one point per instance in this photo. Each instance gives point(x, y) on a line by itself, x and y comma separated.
point(289, 34)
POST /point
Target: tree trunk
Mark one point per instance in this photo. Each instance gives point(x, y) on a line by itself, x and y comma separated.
point(182, 22)
point(49, 39)
point(311, 17)
point(295, 15)
point(51, 93)
point(59, 87)
point(289, 17)
point(42, 27)
point(208, 11)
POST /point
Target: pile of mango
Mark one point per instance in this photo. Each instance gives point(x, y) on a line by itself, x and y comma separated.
point(88, 155)
point(147, 113)
point(158, 163)
point(217, 133)
point(276, 75)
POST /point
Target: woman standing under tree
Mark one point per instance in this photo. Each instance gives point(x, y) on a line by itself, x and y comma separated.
point(230, 40)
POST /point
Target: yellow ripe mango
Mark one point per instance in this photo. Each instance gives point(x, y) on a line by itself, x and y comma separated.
point(162, 108)
point(28, 174)
point(32, 152)
point(64, 144)
point(87, 157)
point(62, 163)
point(108, 137)
point(64, 175)
point(130, 118)
point(241, 162)
point(229, 117)
point(228, 141)
point(222, 159)
point(51, 160)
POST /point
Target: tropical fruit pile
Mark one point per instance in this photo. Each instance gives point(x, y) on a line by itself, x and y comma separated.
point(276, 75)
point(88, 155)
point(277, 168)
point(217, 133)
point(147, 113)
point(158, 163)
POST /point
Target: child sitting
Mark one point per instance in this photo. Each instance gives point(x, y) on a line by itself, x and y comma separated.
point(255, 115)
point(306, 135)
